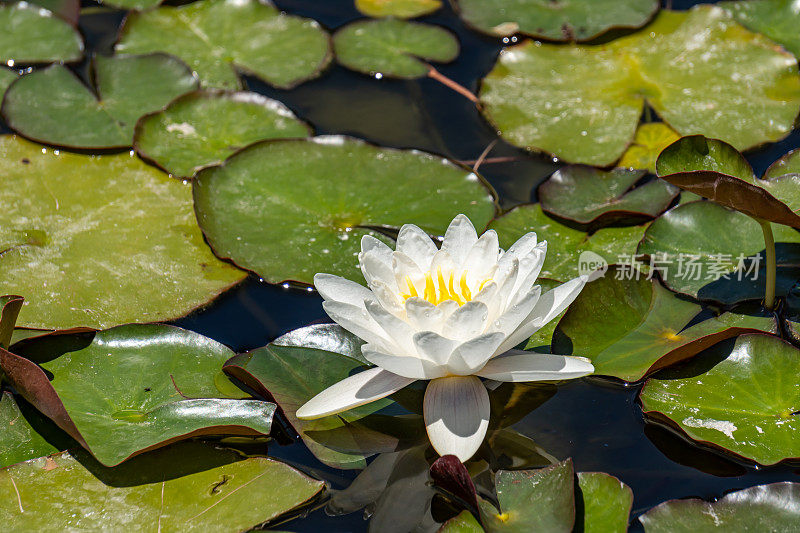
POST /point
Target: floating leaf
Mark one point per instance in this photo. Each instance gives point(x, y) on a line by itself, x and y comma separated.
point(630, 328)
point(730, 84)
point(746, 404)
point(650, 139)
point(349, 189)
point(187, 487)
point(564, 244)
point(607, 503)
point(712, 253)
point(393, 47)
point(589, 195)
point(561, 20)
point(110, 238)
point(788, 164)
point(217, 38)
point(328, 337)
point(138, 5)
point(464, 522)
point(777, 19)
point(7, 77)
point(18, 440)
point(405, 9)
point(203, 128)
point(9, 311)
point(132, 388)
point(54, 107)
point(68, 10)
point(774, 507)
point(35, 35)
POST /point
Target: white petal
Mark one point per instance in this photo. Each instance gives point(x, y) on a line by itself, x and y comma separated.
point(488, 296)
point(519, 249)
point(548, 307)
point(481, 261)
point(510, 320)
point(459, 238)
point(506, 282)
point(376, 266)
point(528, 366)
point(467, 321)
point(442, 260)
point(530, 266)
point(447, 307)
point(405, 270)
point(357, 321)
point(358, 389)
point(456, 411)
point(412, 367)
point(388, 298)
point(417, 245)
point(473, 354)
point(370, 243)
point(399, 331)
point(338, 289)
point(434, 347)
point(423, 315)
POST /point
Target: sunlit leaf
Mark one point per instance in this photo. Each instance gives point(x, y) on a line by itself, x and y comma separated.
point(397, 8)
point(650, 139)
point(607, 503)
point(19, 441)
point(35, 35)
point(777, 19)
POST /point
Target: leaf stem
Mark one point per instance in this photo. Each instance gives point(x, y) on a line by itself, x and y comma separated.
point(444, 80)
point(769, 246)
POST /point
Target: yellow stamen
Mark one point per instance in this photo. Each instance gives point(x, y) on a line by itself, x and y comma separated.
point(464, 288)
point(430, 289)
point(440, 288)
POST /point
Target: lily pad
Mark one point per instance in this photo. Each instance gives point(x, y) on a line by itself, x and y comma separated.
point(630, 328)
point(741, 404)
point(393, 47)
point(54, 107)
point(67, 217)
point(565, 245)
point(560, 20)
point(774, 507)
point(7, 77)
point(589, 195)
point(133, 388)
point(607, 503)
point(35, 35)
point(18, 440)
point(203, 128)
point(777, 19)
point(138, 5)
point(788, 164)
point(712, 253)
point(650, 139)
point(404, 9)
point(68, 10)
point(350, 189)
point(187, 487)
point(730, 84)
point(464, 522)
point(219, 38)
point(9, 311)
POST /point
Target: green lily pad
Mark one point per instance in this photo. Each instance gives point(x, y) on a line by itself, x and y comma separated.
point(564, 244)
point(730, 84)
point(203, 128)
point(562, 20)
point(7, 77)
point(404, 9)
point(67, 217)
point(132, 388)
point(745, 404)
point(774, 507)
point(187, 487)
point(68, 10)
point(630, 328)
point(589, 195)
point(788, 164)
point(696, 245)
point(777, 19)
point(219, 38)
point(542, 500)
point(138, 5)
point(607, 503)
point(394, 48)
point(35, 35)
point(464, 522)
point(18, 440)
point(650, 139)
point(286, 232)
point(54, 107)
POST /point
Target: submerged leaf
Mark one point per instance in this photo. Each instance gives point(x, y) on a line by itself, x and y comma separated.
point(35, 35)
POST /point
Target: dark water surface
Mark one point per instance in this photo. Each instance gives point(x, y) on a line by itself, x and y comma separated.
point(596, 422)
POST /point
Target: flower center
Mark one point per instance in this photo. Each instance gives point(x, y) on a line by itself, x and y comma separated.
point(440, 288)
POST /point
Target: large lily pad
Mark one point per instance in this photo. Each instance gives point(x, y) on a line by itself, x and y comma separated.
point(564, 244)
point(697, 245)
point(132, 388)
point(630, 328)
point(349, 188)
point(405, 9)
point(100, 240)
point(774, 507)
point(730, 84)
point(745, 404)
point(203, 128)
point(393, 47)
point(777, 19)
point(19, 441)
point(650, 139)
point(589, 195)
point(217, 38)
point(607, 503)
point(187, 487)
point(561, 20)
point(7, 77)
point(54, 107)
point(35, 35)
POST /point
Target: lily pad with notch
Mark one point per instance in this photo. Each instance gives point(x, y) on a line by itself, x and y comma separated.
point(349, 189)
point(203, 128)
point(394, 48)
point(54, 107)
point(219, 38)
point(404, 9)
point(32, 34)
point(133, 388)
point(777, 19)
point(745, 404)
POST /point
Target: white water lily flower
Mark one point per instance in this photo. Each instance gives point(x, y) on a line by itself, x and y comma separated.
point(451, 316)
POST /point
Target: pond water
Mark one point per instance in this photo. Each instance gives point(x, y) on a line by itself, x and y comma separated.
point(596, 422)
